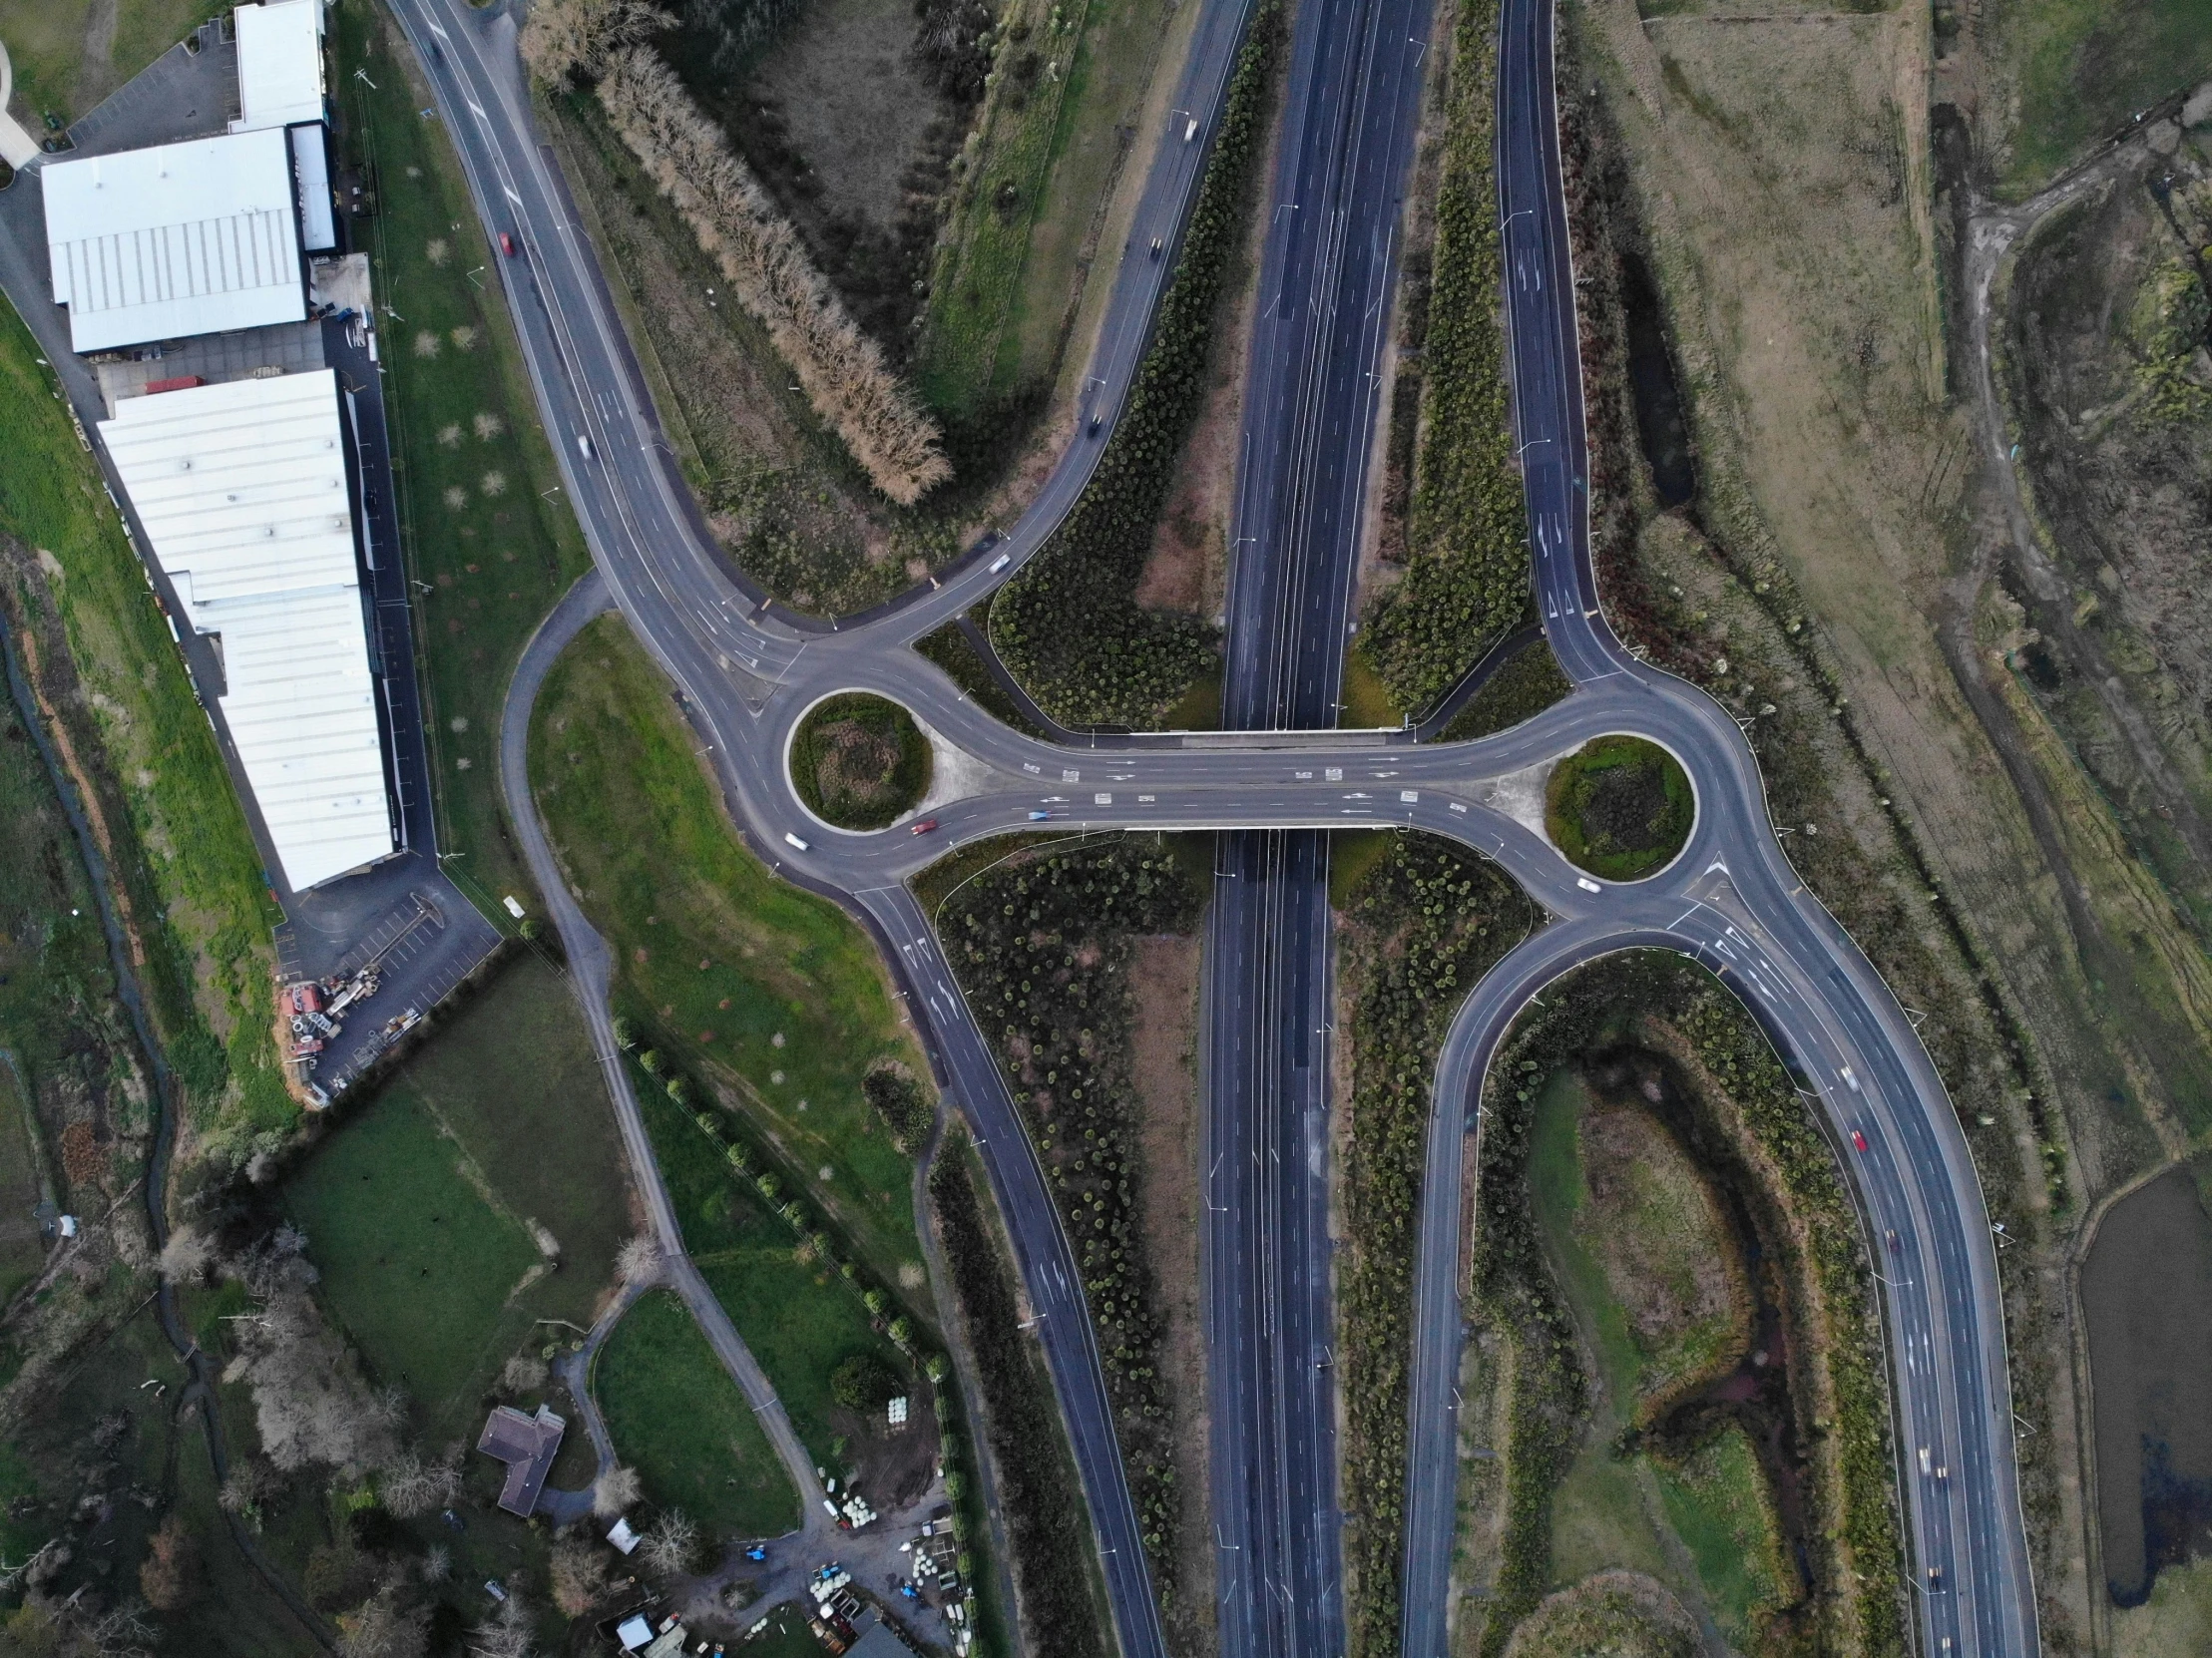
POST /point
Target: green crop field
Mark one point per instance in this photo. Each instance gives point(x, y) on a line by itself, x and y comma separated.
point(481, 529)
point(677, 1418)
point(181, 850)
point(422, 1212)
point(767, 993)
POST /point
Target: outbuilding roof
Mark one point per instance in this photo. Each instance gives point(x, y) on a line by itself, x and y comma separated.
point(183, 238)
point(280, 64)
point(242, 488)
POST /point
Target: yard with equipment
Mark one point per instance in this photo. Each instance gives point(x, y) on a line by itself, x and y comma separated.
point(768, 996)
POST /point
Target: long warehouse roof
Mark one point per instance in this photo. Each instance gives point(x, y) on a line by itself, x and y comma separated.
point(242, 488)
point(184, 238)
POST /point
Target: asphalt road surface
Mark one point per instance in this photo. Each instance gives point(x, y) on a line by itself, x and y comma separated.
point(747, 674)
point(1351, 104)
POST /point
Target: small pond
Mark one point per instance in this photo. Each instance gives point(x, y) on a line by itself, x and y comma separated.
point(1660, 428)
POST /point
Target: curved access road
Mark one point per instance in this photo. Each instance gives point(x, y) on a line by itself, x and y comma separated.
point(746, 672)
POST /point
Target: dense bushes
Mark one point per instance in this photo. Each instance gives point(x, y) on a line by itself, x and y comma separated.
point(1618, 807)
point(858, 761)
point(1046, 1523)
point(1467, 563)
point(1425, 922)
point(1041, 947)
point(1513, 1290)
point(1069, 623)
point(903, 1104)
point(1529, 683)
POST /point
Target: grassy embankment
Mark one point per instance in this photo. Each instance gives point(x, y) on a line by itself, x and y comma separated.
point(1425, 923)
point(1617, 1613)
point(1619, 807)
point(1656, 1287)
point(1015, 248)
point(1536, 1387)
point(859, 762)
point(1069, 623)
point(2080, 69)
point(1465, 578)
point(679, 1418)
point(1047, 1525)
point(1042, 945)
point(190, 886)
point(767, 995)
point(473, 1209)
point(470, 457)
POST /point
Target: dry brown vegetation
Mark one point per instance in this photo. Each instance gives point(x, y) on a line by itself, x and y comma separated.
point(842, 371)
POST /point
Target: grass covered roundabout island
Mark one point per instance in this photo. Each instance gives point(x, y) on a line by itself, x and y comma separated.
point(1619, 807)
point(859, 762)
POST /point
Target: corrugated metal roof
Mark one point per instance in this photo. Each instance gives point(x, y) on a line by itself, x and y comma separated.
point(280, 64)
point(242, 488)
point(183, 238)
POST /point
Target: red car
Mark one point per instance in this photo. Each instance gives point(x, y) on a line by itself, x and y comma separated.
point(1857, 1139)
point(507, 245)
point(923, 827)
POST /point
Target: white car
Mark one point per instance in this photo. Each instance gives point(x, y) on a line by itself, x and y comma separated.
point(796, 841)
point(1586, 884)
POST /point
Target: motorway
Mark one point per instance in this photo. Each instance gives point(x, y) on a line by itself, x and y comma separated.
point(1351, 105)
point(746, 674)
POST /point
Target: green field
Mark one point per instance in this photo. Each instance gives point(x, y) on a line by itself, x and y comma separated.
point(768, 994)
point(2084, 67)
point(677, 1418)
point(46, 46)
point(1010, 260)
point(181, 854)
point(1716, 1500)
point(473, 469)
point(1556, 1193)
point(800, 1323)
point(422, 1208)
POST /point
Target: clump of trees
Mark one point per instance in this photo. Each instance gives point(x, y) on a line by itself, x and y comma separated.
point(1466, 576)
point(1428, 921)
point(1047, 1526)
point(1069, 623)
point(1041, 947)
point(843, 372)
point(902, 1103)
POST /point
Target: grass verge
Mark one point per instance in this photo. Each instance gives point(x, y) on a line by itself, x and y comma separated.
point(1425, 923)
point(482, 515)
point(1467, 565)
point(1068, 625)
point(679, 1421)
point(1619, 807)
point(769, 994)
point(859, 762)
point(189, 881)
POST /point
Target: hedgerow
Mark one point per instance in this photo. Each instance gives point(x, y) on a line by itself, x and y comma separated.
point(1069, 623)
point(1045, 1521)
point(1042, 948)
point(1513, 1290)
point(1467, 562)
point(1425, 923)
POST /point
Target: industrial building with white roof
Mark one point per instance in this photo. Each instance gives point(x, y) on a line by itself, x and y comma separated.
point(242, 492)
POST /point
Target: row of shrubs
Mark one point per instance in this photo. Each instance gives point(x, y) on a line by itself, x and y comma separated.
point(1069, 623)
point(1514, 1292)
point(1042, 947)
point(1467, 560)
point(1426, 922)
point(1047, 1526)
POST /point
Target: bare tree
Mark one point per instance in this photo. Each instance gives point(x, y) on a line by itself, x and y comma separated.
point(579, 1576)
point(251, 1481)
point(121, 1632)
point(414, 1484)
point(639, 1260)
point(310, 1402)
point(522, 1373)
point(842, 370)
point(168, 1576)
point(564, 39)
point(670, 1543)
point(186, 1254)
point(507, 1634)
point(381, 1627)
point(614, 1490)
point(437, 1563)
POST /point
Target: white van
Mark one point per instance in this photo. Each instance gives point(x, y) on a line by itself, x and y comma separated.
point(796, 841)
